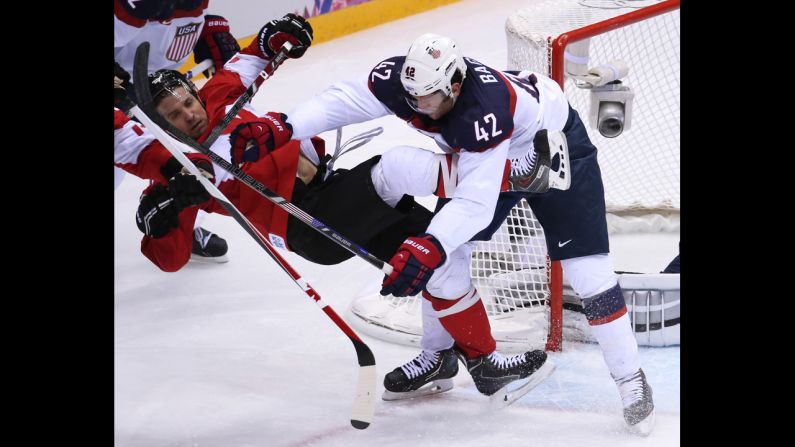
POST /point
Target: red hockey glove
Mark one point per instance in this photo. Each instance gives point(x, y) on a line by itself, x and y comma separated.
point(413, 265)
point(215, 42)
point(256, 138)
point(290, 28)
point(172, 166)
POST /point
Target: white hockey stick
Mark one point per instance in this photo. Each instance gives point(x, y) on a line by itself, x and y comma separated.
point(195, 71)
point(364, 402)
point(251, 182)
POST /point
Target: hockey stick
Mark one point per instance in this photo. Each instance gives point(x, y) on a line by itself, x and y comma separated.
point(364, 403)
point(263, 190)
point(203, 65)
point(267, 72)
point(359, 140)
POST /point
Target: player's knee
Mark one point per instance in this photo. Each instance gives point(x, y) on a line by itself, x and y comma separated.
point(590, 275)
point(409, 169)
point(398, 158)
point(452, 279)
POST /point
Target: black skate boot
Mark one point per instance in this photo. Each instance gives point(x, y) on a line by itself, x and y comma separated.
point(208, 247)
point(410, 380)
point(506, 379)
point(638, 404)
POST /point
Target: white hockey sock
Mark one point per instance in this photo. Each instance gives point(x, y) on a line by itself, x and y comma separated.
point(434, 336)
point(619, 347)
point(199, 218)
point(593, 277)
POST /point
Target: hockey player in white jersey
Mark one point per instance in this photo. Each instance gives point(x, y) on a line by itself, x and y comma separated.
point(505, 136)
point(175, 29)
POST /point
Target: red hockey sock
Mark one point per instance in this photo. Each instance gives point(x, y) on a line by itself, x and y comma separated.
point(466, 320)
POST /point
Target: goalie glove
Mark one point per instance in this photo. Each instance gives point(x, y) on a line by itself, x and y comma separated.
point(158, 211)
point(413, 264)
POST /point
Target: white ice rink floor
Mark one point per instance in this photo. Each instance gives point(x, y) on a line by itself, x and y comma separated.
point(235, 355)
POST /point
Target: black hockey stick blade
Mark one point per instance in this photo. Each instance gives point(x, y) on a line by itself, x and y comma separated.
point(141, 81)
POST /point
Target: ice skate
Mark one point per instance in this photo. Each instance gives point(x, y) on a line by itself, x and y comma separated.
point(429, 373)
point(208, 247)
point(506, 379)
point(636, 396)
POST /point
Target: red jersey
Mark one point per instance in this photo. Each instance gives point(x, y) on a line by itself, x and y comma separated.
point(276, 170)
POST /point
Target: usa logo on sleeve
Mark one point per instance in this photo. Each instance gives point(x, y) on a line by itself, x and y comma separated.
point(184, 40)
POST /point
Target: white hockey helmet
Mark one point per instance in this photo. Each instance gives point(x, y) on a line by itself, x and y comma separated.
point(430, 64)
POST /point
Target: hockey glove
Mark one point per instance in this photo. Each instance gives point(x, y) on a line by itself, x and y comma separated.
point(290, 28)
point(413, 265)
point(173, 167)
point(215, 42)
point(187, 191)
point(158, 212)
point(257, 138)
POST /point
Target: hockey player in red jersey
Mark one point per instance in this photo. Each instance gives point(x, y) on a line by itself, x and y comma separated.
point(296, 170)
point(506, 135)
point(175, 29)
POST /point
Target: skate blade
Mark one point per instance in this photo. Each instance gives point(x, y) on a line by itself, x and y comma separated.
point(208, 260)
point(513, 391)
point(644, 427)
point(435, 387)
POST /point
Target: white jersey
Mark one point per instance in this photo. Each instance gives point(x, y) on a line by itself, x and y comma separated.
point(171, 41)
point(491, 127)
